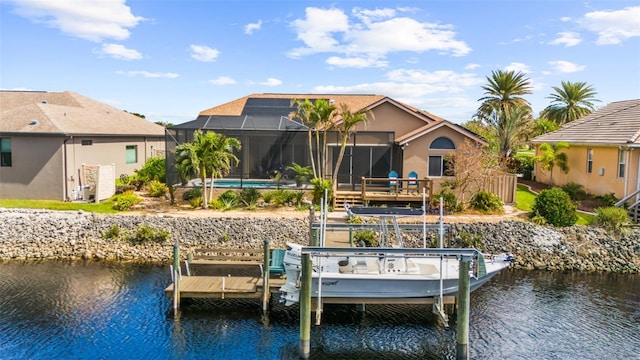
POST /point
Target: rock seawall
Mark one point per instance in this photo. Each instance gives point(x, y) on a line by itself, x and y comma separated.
point(42, 234)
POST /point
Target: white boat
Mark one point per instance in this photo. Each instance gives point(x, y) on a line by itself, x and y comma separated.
point(386, 272)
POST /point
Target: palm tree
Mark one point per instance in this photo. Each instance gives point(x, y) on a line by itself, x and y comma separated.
point(318, 117)
point(208, 153)
point(304, 113)
point(503, 91)
point(346, 127)
point(510, 129)
point(193, 156)
point(572, 101)
point(186, 169)
point(222, 157)
point(542, 126)
point(552, 156)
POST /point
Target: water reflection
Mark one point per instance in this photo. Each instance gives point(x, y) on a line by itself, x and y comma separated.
point(76, 310)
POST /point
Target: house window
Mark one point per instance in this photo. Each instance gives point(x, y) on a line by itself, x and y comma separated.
point(132, 154)
point(5, 152)
point(440, 166)
point(621, 162)
point(87, 142)
point(589, 160)
point(442, 143)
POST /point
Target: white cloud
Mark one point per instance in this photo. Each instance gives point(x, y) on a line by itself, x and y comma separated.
point(355, 62)
point(251, 27)
point(272, 82)
point(517, 67)
point(411, 85)
point(565, 66)
point(94, 20)
point(567, 39)
point(204, 53)
point(223, 80)
point(118, 51)
point(472, 67)
point(367, 16)
point(370, 34)
point(317, 28)
point(613, 27)
point(148, 74)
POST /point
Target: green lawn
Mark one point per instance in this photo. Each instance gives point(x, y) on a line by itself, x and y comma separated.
point(526, 198)
point(104, 207)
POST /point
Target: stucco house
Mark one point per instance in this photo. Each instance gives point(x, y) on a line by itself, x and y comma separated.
point(604, 152)
point(397, 137)
point(46, 137)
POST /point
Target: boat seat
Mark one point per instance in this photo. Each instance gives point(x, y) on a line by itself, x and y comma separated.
point(276, 265)
point(360, 267)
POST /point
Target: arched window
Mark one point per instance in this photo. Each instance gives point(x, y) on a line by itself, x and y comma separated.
point(439, 165)
point(442, 143)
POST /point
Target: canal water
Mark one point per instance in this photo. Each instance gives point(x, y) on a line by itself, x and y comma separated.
point(77, 310)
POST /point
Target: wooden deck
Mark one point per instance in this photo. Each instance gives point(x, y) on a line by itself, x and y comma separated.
point(235, 287)
point(403, 190)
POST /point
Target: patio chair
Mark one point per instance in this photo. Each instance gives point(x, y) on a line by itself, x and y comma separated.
point(276, 266)
point(413, 182)
point(393, 181)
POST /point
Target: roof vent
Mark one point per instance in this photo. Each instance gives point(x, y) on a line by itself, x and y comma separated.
point(33, 122)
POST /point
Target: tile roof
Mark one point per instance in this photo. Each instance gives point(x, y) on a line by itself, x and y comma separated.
point(616, 124)
point(68, 113)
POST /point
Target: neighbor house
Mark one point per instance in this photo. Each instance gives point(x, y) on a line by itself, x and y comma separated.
point(396, 137)
point(47, 137)
point(603, 153)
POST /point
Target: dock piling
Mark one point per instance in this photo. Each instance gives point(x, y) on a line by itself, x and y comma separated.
point(266, 295)
point(305, 308)
point(462, 321)
point(176, 277)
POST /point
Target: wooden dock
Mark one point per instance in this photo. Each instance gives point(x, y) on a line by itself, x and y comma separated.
point(223, 287)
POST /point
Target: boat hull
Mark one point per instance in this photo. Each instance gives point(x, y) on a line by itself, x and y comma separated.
point(391, 287)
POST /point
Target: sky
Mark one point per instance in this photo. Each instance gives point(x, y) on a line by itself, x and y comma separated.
point(171, 59)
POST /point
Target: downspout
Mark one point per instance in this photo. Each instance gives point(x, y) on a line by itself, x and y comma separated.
point(64, 169)
point(626, 172)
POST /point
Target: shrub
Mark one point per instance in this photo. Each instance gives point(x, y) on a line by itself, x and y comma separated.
point(555, 206)
point(195, 202)
point(449, 200)
point(280, 197)
point(298, 197)
point(153, 169)
point(228, 197)
point(192, 194)
point(126, 200)
point(145, 233)
point(249, 197)
point(575, 191)
point(319, 186)
point(157, 189)
point(368, 237)
point(466, 240)
point(112, 233)
point(486, 202)
point(612, 218)
point(608, 199)
point(268, 196)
